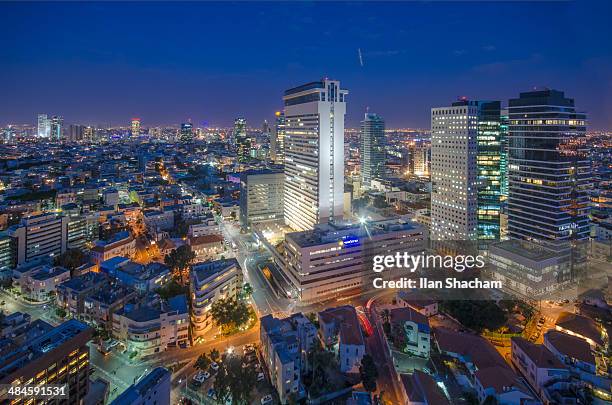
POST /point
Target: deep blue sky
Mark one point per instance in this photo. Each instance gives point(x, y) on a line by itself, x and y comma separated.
point(166, 62)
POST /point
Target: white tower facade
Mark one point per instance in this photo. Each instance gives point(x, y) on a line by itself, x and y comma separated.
point(454, 195)
point(314, 153)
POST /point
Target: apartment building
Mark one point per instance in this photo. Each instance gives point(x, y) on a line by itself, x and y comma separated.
point(147, 330)
point(122, 244)
point(39, 237)
point(284, 345)
point(340, 331)
point(211, 281)
point(59, 356)
point(411, 331)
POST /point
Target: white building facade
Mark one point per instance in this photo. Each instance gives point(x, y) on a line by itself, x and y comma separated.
point(314, 153)
point(454, 172)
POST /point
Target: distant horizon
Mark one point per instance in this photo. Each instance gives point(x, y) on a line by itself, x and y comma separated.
point(104, 63)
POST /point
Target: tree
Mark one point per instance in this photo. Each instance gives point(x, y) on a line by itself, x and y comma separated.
point(386, 316)
point(203, 362)
point(71, 259)
point(61, 313)
point(368, 373)
point(476, 315)
point(240, 380)
point(247, 290)
point(320, 362)
point(230, 314)
point(214, 355)
point(179, 260)
point(172, 289)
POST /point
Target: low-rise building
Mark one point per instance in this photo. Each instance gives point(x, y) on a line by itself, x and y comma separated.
point(209, 282)
point(147, 330)
point(583, 327)
point(410, 330)
point(100, 306)
point(71, 294)
point(421, 389)
point(206, 247)
point(537, 364)
point(14, 324)
point(140, 277)
point(122, 244)
point(341, 332)
point(284, 345)
point(152, 389)
point(159, 220)
point(418, 301)
point(42, 284)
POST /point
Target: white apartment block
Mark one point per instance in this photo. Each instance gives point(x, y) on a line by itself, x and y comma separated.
point(336, 259)
point(454, 172)
point(314, 153)
point(211, 281)
point(146, 331)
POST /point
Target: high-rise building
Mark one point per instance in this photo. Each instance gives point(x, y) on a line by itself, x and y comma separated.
point(549, 172)
point(453, 171)
point(186, 132)
point(135, 126)
point(277, 140)
point(372, 148)
point(420, 159)
point(75, 133)
point(503, 166)
point(488, 162)
point(88, 134)
point(314, 153)
point(261, 196)
point(44, 126)
point(57, 123)
point(242, 140)
point(58, 356)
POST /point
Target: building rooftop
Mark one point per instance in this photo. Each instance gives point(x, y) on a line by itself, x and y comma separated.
point(422, 388)
point(347, 323)
point(138, 390)
point(206, 270)
point(539, 354)
point(571, 346)
point(580, 325)
point(406, 314)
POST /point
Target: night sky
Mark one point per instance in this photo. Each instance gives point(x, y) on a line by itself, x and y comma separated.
point(103, 63)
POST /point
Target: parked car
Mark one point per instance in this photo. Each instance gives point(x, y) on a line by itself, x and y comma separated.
point(214, 366)
point(261, 377)
point(211, 393)
point(266, 400)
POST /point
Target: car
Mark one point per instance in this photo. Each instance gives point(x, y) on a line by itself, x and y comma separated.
point(201, 376)
point(214, 366)
point(261, 377)
point(211, 393)
point(266, 400)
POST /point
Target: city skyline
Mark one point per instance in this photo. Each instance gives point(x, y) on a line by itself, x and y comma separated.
point(173, 76)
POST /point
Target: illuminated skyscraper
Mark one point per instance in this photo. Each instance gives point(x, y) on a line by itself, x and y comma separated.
point(186, 132)
point(242, 140)
point(135, 126)
point(372, 148)
point(314, 153)
point(549, 172)
point(44, 126)
point(453, 171)
point(277, 140)
point(57, 123)
point(488, 161)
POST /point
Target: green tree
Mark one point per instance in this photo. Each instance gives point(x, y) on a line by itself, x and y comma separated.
point(203, 362)
point(240, 380)
point(368, 373)
point(247, 290)
point(214, 355)
point(60, 312)
point(179, 260)
point(71, 259)
point(172, 289)
point(230, 314)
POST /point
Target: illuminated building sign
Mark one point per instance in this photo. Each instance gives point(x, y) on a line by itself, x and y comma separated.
point(349, 241)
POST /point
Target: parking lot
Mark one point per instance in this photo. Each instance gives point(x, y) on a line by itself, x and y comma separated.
point(198, 386)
